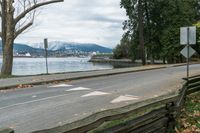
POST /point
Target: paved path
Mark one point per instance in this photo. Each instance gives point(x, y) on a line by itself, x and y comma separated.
point(46, 106)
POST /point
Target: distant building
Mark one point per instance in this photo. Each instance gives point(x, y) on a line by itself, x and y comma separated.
point(94, 53)
point(23, 54)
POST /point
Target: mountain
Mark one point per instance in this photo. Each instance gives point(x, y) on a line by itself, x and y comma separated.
point(21, 48)
point(84, 47)
point(58, 48)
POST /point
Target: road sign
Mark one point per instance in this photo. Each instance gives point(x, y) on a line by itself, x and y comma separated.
point(184, 52)
point(45, 43)
point(188, 35)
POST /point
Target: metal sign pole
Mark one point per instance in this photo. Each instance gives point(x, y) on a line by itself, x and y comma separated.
point(188, 37)
point(46, 54)
point(188, 60)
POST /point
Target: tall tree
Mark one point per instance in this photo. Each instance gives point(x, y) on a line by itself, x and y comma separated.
point(162, 20)
point(16, 17)
point(141, 31)
point(135, 26)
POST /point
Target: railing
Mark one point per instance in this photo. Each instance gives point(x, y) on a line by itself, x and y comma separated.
point(155, 115)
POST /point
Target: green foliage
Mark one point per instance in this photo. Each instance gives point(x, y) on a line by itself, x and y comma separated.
point(162, 22)
point(122, 50)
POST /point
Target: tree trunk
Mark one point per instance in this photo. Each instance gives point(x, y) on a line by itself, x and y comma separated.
point(141, 32)
point(7, 58)
point(8, 29)
point(164, 60)
point(152, 56)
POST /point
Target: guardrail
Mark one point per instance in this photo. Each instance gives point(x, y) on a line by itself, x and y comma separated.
point(158, 115)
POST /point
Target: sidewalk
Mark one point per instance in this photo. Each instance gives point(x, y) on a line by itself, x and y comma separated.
point(39, 79)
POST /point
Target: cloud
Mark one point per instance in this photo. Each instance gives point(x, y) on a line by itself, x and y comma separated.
point(93, 21)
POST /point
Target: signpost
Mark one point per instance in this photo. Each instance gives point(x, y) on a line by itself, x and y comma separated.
point(46, 53)
point(188, 37)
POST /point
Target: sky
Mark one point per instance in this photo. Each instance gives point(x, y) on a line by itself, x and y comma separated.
point(83, 21)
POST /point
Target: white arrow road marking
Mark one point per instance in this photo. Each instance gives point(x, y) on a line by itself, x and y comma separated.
point(155, 95)
point(79, 89)
point(95, 93)
point(34, 96)
point(124, 99)
point(60, 85)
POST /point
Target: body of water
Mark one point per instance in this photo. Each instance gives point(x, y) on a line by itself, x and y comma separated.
point(33, 66)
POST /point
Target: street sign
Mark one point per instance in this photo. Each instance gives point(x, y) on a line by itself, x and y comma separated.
point(45, 43)
point(184, 52)
point(188, 35)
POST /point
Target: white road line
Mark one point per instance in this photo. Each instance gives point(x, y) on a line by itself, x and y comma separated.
point(79, 89)
point(60, 85)
point(42, 99)
point(95, 93)
point(124, 99)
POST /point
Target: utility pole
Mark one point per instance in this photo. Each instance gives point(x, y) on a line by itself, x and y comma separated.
point(141, 32)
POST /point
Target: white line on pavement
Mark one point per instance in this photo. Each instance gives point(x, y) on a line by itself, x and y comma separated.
point(42, 99)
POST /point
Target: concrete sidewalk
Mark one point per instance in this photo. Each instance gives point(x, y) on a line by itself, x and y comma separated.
point(39, 79)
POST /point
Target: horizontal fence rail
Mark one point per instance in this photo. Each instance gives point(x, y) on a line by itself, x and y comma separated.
point(159, 120)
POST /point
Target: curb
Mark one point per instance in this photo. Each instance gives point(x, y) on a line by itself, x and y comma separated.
point(87, 76)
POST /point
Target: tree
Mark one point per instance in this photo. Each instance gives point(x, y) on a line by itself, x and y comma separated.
point(141, 31)
point(122, 50)
point(16, 17)
point(135, 12)
point(161, 22)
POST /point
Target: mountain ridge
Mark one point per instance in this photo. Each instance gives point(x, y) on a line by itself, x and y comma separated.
point(58, 48)
point(60, 45)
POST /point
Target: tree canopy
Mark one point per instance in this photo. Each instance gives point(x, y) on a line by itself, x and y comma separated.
point(162, 20)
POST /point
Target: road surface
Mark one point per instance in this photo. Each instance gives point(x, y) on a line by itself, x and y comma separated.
point(47, 106)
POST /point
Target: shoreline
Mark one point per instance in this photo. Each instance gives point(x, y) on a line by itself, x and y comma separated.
point(116, 63)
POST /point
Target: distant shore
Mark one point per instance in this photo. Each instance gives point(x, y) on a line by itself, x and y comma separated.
point(117, 63)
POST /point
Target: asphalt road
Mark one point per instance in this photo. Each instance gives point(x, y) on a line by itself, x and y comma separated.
point(47, 106)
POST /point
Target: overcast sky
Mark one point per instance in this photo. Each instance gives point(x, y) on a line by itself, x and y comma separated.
point(84, 21)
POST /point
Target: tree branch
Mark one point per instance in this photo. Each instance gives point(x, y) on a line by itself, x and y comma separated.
point(23, 29)
point(23, 14)
point(0, 34)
